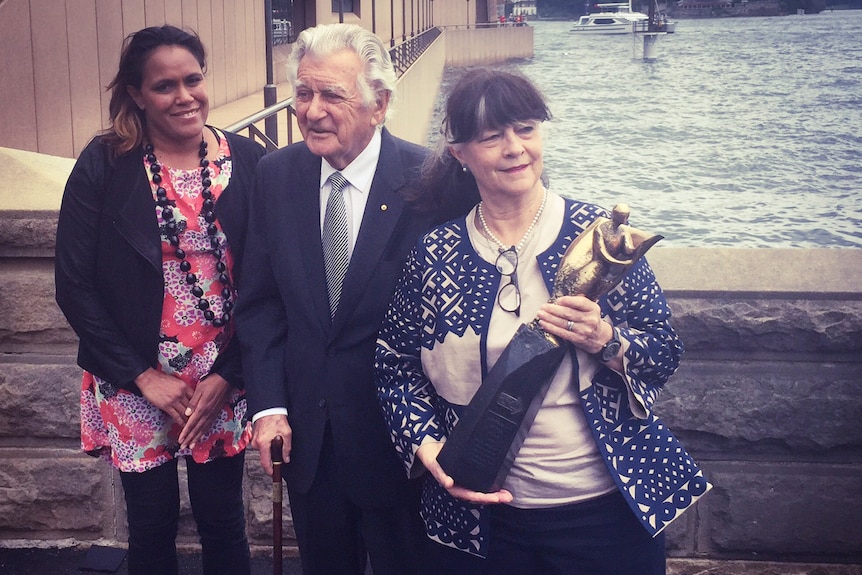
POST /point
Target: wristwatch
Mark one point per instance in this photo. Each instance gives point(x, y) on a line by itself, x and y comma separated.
point(610, 349)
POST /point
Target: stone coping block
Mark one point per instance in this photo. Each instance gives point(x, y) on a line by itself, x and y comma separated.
point(788, 510)
point(765, 410)
point(53, 492)
point(33, 186)
point(30, 197)
point(815, 273)
point(32, 182)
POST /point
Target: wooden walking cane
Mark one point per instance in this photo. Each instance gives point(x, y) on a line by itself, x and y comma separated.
point(277, 460)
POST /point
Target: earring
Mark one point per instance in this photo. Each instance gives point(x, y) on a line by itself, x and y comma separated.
point(464, 168)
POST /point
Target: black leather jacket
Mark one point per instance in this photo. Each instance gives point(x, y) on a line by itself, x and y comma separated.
point(108, 264)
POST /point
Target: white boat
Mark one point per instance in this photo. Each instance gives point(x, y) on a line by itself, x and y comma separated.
point(619, 18)
point(612, 18)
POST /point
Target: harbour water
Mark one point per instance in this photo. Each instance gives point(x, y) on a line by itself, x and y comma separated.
point(743, 132)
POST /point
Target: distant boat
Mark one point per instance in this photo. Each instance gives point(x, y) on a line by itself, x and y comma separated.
point(611, 18)
point(619, 18)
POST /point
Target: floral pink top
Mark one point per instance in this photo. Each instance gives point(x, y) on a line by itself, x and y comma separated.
point(124, 427)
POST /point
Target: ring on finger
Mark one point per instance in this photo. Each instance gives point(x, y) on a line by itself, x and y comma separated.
point(570, 325)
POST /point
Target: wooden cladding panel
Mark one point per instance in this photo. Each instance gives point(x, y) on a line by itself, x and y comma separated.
point(230, 42)
point(18, 109)
point(190, 14)
point(255, 20)
point(173, 11)
point(109, 42)
point(218, 51)
point(205, 31)
point(51, 77)
point(154, 12)
point(134, 16)
point(84, 79)
point(60, 55)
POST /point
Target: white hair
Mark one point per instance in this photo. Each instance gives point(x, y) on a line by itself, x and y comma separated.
point(378, 77)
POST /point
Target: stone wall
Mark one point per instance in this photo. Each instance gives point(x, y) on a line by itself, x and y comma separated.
point(766, 399)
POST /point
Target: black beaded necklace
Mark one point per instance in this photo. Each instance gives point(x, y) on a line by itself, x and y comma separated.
point(171, 232)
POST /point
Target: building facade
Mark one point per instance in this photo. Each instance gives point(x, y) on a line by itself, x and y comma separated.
point(59, 55)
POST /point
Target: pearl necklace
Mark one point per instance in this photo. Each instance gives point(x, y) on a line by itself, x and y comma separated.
point(520, 245)
point(171, 232)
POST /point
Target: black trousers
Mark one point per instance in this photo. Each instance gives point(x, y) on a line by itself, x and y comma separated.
point(597, 537)
point(337, 537)
point(153, 508)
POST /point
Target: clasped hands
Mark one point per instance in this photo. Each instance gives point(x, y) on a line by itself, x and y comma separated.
point(193, 410)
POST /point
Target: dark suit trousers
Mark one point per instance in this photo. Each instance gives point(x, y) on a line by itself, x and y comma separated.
point(597, 537)
point(335, 535)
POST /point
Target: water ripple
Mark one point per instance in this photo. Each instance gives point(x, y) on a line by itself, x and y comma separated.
point(744, 132)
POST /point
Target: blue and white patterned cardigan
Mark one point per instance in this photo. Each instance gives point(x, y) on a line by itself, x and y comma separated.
point(447, 288)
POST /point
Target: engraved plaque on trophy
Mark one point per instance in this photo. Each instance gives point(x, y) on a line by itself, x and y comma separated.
point(482, 446)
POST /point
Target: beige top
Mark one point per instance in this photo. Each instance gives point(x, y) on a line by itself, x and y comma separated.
point(559, 462)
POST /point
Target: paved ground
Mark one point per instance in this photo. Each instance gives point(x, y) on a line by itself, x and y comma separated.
point(68, 562)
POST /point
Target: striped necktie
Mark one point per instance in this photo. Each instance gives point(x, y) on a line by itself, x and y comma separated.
point(335, 240)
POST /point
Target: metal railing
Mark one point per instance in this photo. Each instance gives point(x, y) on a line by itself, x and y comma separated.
point(269, 138)
point(403, 56)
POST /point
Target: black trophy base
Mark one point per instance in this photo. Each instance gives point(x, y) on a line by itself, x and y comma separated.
point(482, 446)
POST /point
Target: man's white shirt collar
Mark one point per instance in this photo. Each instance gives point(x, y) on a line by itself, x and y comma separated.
point(360, 172)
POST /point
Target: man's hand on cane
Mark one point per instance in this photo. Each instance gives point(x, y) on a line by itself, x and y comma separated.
point(276, 452)
point(265, 430)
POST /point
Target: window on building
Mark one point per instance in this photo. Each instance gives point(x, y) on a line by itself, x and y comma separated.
point(284, 24)
point(345, 5)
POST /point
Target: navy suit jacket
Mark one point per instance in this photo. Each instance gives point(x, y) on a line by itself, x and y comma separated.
point(296, 357)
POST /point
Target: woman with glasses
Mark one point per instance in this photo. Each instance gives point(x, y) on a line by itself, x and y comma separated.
point(598, 477)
